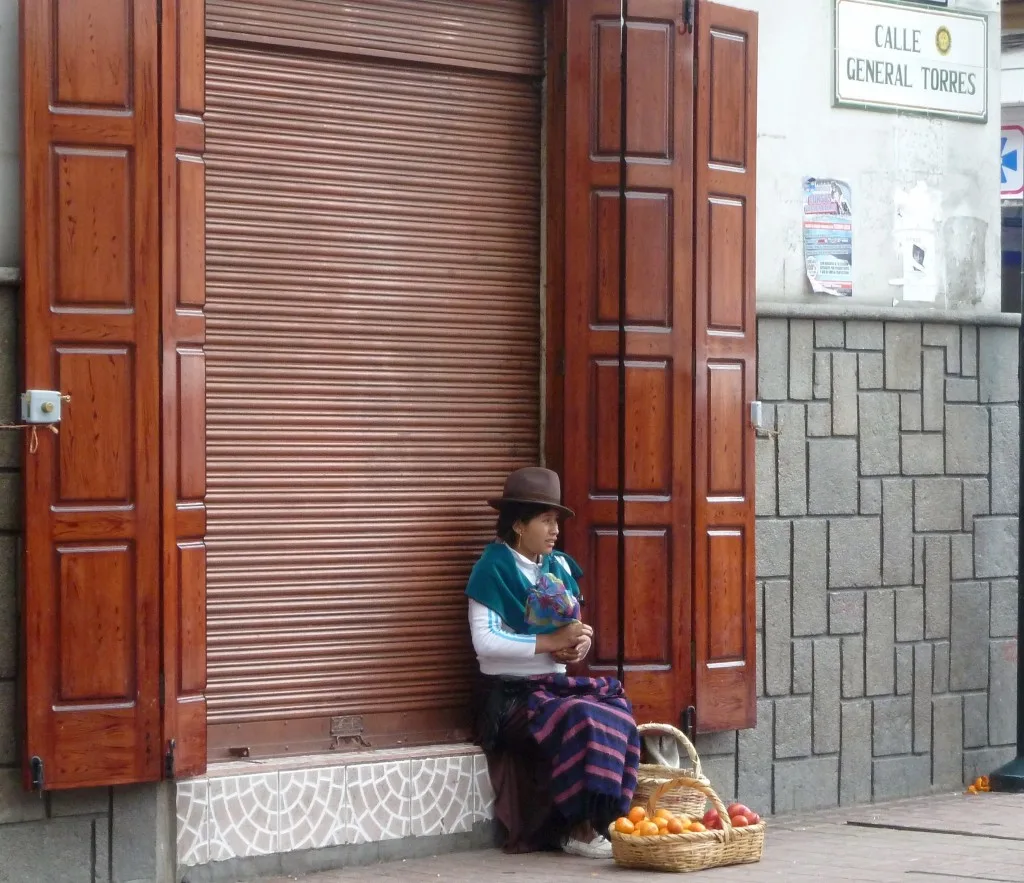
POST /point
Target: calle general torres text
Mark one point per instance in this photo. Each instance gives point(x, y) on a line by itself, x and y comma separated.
point(889, 73)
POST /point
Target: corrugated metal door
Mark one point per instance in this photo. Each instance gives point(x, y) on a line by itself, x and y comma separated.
point(373, 338)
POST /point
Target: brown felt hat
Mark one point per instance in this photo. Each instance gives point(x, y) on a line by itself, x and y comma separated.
point(533, 485)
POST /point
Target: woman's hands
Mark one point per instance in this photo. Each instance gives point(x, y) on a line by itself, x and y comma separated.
point(580, 635)
point(567, 642)
point(576, 653)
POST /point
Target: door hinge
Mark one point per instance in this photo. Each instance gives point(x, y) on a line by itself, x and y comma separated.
point(169, 759)
point(688, 722)
point(688, 6)
point(38, 781)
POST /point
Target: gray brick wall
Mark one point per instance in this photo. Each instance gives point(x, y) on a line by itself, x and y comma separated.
point(887, 563)
point(10, 493)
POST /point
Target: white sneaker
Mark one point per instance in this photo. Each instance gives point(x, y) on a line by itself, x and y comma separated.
point(599, 847)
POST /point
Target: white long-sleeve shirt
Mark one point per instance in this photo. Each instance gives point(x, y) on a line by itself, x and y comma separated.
point(501, 651)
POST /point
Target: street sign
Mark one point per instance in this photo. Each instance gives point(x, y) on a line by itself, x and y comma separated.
point(1011, 152)
point(906, 58)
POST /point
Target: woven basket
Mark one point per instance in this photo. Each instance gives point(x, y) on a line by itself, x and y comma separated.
point(652, 776)
point(688, 852)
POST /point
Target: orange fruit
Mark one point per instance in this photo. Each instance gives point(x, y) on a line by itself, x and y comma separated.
point(647, 829)
point(661, 822)
point(637, 814)
point(624, 826)
point(696, 828)
point(676, 827)
point(663, 814)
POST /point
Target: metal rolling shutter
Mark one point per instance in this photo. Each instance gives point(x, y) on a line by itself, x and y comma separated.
point(373, 343)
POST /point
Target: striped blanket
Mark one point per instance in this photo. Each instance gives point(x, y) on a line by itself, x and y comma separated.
point(586, 727)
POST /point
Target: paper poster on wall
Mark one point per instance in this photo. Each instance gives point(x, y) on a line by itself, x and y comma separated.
point(828, 236)
point(914, 232)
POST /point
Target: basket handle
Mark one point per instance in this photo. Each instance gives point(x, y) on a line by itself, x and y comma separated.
point(680, 737)
point(706, 790)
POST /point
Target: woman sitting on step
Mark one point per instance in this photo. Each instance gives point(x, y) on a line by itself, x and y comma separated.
point(562, 751)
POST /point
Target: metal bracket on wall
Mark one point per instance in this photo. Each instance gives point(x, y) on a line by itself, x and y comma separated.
point(348, 729)
point(757, 421)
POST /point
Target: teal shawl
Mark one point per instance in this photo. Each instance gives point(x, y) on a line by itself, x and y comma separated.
point(497, 583)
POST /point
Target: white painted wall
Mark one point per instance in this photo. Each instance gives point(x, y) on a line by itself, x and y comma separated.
point(1012, 89)
point(10, 181)
point(800, 134)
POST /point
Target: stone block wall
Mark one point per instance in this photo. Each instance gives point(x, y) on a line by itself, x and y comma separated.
point(887, 510)
point(10, 518)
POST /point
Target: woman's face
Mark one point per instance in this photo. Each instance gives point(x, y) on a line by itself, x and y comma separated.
point(537, 536)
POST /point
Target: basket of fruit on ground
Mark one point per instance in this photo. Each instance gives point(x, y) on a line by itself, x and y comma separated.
point(656, 839)
point(651, 776)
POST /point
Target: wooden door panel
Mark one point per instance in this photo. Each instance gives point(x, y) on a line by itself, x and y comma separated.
point(724, 383)
point(648, 612)
point(648, 427)
point(649, 266)
point(97, 630)
point(727, 425)
point(94, 215)
point(97, 467)
point(727, 225)
point(603, 99)
point(650, 83)
point(649, 277)
point(93, 53)
point(656, 371)
point(91, 293)
point(183, 196)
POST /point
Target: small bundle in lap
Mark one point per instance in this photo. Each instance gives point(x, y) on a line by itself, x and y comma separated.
point(586, 727)
point(551, 604)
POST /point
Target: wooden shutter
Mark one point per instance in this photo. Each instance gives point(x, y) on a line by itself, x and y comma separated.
point(659, 338)
point(184, 385)
point(724, 376)
point(92, 322)
point(373, 349)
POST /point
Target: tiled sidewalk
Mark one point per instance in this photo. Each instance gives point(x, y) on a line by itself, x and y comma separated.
point(943, 839)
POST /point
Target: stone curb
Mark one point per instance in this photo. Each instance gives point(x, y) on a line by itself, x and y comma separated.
point(840, 311)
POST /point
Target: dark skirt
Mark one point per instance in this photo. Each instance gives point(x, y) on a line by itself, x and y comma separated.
point(520, 774)
point(527, 725)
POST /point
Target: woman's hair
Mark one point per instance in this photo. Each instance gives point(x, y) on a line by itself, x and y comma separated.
point(510, 513)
